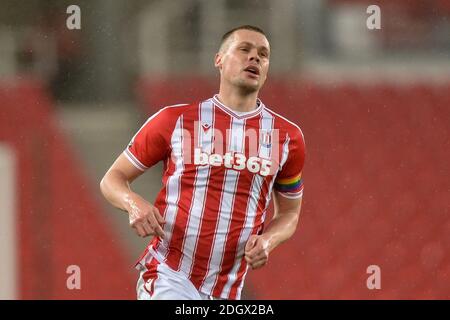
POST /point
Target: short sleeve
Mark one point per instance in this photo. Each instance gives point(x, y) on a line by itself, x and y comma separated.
point(151, 143)
point(289, 182)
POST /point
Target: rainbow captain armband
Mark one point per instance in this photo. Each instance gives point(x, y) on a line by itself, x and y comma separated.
point(290, 187)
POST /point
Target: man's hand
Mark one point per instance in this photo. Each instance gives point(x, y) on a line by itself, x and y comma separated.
point(281, 227)
point(257, 251)
point(144, 218)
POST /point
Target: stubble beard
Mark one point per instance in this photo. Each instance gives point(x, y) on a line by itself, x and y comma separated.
point(246, 88)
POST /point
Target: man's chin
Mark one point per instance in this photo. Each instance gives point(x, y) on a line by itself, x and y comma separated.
point(249, 87)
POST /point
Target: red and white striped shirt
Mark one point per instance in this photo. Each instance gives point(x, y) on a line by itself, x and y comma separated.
point(220, 168)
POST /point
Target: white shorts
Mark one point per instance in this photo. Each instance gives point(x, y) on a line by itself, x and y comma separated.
point(157, 281)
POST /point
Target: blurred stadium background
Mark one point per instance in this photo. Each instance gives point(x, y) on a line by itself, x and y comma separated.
point(374, 106)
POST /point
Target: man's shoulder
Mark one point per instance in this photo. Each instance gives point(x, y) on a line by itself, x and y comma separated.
point(177, 108)
point(285, 125)
point(173, 112)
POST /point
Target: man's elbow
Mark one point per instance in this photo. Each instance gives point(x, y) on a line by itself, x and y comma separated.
point(295, 217)
point(103, 185)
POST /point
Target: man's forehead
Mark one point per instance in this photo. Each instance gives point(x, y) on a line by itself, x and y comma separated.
point(252, 37)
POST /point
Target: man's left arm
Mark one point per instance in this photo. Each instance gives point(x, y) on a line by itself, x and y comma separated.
point(281, 228)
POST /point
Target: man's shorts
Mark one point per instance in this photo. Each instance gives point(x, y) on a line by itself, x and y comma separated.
point(157, 281)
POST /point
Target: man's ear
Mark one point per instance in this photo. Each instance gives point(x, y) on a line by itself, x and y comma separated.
point(218, 61)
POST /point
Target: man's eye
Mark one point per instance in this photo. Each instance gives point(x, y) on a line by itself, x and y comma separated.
point(244, 49)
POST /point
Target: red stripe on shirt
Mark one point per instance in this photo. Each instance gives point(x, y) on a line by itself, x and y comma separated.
point(187, 183)
point(237, 223)
point(257, 226)
point(210, 219)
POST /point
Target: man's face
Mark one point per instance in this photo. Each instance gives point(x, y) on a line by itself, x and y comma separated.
point(243, 60)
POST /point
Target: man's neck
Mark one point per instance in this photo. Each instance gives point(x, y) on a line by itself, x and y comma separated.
point(238, 101)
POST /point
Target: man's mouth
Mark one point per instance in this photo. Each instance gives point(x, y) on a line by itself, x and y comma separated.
point(253, 70)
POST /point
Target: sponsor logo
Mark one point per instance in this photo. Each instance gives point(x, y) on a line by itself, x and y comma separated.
point(233, 160)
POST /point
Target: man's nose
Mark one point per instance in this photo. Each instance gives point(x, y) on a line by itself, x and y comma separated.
point(254, 56)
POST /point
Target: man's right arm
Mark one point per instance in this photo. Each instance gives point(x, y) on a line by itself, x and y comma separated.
point(115, 187)
point(150, 145)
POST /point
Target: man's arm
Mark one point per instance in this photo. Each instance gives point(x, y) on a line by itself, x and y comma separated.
point(115, 187)
point(281, 227)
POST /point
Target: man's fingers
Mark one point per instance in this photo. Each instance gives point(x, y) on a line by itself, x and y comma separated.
point(155, 225)
point(258, 264)
point(250, 243)
point(140, 230)
point(147, 228)
point(253, 253)
point(260, 255)
point(256, 250)
point(256, 257)
point(159, 231)
point(261, 258)
point(158, 216)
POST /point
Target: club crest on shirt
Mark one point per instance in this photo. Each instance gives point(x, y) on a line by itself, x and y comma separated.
point(265, 138)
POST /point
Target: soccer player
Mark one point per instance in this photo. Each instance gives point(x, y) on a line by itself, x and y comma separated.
point(224, 158)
